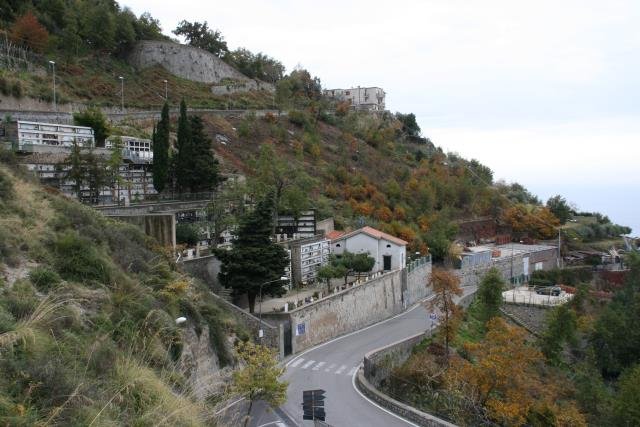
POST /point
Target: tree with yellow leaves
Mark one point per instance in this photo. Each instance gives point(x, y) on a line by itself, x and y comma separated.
point(446, 286)
point(258, 379)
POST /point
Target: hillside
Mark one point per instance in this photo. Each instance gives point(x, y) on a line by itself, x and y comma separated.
point(87, 309)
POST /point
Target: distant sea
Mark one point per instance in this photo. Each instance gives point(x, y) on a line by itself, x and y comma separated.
point(597, 173)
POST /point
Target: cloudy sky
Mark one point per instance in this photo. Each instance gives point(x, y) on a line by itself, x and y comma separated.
point(546, 93)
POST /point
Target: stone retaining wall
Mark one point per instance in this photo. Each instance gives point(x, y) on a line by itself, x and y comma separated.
point(184, 61)
point(405, 411)
point(354, 308)
point(273, 335)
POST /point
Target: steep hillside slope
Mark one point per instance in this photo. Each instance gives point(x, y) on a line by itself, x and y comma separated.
point(87, 330)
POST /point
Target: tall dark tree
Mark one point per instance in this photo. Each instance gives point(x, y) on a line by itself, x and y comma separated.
point(254, 259)
point(183, 167)
point(161, 151)
point(75, 169)
point(560, 208)
point(94, 118)
point(490, 294)
point(204, 165)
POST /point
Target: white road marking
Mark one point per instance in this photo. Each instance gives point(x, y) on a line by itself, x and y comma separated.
point(318, 366)
point(297, 362)
point(309, 363)
point(352, 370)
point(330, 368)
point(342, 368)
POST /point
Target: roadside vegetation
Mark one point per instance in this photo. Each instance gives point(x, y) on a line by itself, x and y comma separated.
point(87, 318)
point(578, 371)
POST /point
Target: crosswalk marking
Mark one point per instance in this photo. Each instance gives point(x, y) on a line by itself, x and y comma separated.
point(352, 370)
point(342, 368)
point(309, 363)
point(297, 362)
point(330, 368)
point(318, 366)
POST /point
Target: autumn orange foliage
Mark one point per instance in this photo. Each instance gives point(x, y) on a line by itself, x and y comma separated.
point(28, 31)
point(538, 221)
point(503, 379)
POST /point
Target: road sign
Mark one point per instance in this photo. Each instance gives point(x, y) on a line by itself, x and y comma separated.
point(313, 405)
point(300, 329)
point(433, 316)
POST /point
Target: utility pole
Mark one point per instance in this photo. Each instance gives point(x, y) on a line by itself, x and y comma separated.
point(121, 93)
point(55, 104)
point(559, 249)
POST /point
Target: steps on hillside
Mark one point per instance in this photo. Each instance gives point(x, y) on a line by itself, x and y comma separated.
point(225, 294)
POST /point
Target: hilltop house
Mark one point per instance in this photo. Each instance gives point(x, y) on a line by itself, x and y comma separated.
point(360, 98)
point(389, 251)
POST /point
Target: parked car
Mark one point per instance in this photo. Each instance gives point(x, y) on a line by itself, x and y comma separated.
point(550, 290)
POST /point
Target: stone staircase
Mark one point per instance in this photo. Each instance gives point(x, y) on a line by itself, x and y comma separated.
point(225, 294)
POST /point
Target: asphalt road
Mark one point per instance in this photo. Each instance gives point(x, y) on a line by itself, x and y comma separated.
point(332, 366)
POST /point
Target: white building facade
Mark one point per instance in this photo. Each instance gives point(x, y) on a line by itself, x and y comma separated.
point(360, 98)
point(389, 252)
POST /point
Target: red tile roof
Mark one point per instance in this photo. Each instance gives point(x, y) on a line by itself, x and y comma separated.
point(377, 234)
point(333, 235)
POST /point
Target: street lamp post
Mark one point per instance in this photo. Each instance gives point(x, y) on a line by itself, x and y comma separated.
point(121, 93)
point(260, 315)
point(166, 92)
point(55, 104)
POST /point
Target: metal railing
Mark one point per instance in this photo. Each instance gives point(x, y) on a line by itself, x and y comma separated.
point(418, 263)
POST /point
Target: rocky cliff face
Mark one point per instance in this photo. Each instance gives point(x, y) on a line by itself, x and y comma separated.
point(200, 364)
point(183, 61)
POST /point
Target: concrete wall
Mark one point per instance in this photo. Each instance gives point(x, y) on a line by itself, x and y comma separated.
point(245, 86)
point(519, 265)
point(354, 308)
point(381, 362)
point(205, 268)
point(162, 227)
point(32, 110)
point(183, 61)
point(273, 334)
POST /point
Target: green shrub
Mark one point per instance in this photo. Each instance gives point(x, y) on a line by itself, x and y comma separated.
point(16, 89)
point(44, 278)
point(213, 316)
point(299, 118)
point(7, 320)
point(6, 188)
point(77, 259)
point(4, 86)
point(21, 300)
point(187, 234)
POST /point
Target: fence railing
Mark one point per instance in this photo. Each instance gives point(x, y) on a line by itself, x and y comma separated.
point(416, 263)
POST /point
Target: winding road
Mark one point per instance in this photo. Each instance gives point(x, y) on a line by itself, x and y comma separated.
point(332, 367)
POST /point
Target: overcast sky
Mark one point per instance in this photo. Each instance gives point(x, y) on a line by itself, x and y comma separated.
point(546, 93)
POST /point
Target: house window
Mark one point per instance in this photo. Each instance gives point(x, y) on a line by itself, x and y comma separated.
point(348, 92)
point(388, 246)
point(337, 245)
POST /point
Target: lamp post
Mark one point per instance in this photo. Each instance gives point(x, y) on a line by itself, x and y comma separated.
point(260, 315)
point(121, 93)
point(166, 92)
point(55, 104)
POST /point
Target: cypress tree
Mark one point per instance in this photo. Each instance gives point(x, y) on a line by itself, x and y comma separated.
point(184, 151)
point(161, 151)
point(204, 165)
